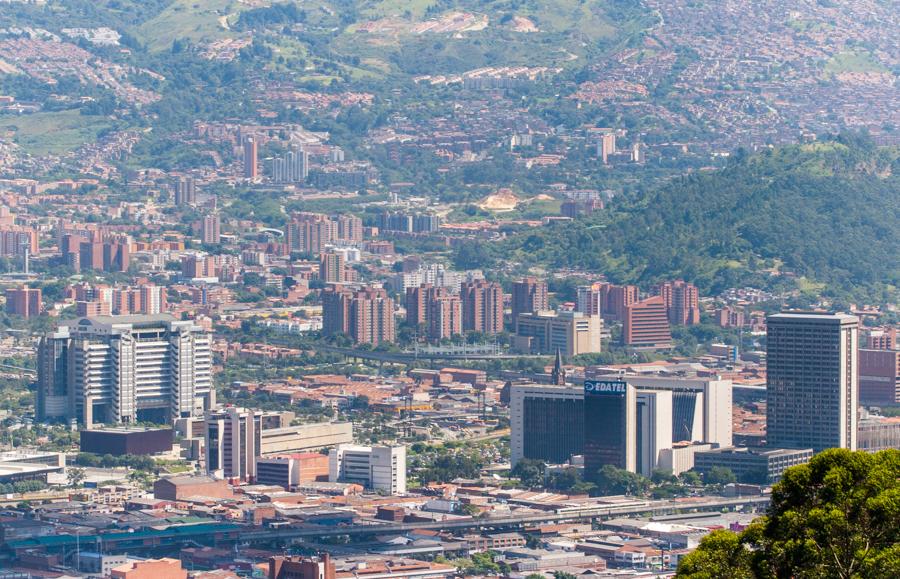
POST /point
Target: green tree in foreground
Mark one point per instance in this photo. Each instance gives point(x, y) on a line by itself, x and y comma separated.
point(838, 516)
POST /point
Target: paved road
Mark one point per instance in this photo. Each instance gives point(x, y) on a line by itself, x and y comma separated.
point(19, 370)
point(410, 357)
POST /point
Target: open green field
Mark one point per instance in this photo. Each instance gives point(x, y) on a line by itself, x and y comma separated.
point(853, 61)
point(384, 8)
point(53, 133)
point(197, 21)
point(587, 17)
point(569, 32)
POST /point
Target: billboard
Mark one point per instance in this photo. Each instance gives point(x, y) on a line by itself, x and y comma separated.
point(605, 388)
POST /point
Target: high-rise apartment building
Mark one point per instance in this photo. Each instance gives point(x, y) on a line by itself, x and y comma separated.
point(482, 306)
point(349, 228)
point(154, 299)
point(366, 315)
point(335, 311)
point(606, 146)
point(647, 324)
point(292, 167)
point(185, 191)
point(409, 222)
point(112, 254)
point(588, 299)
point(730, 317)
point(682, 301)
point(122, 369)
point(812, 383)
point(434, 309)
point(17, 241)
point(882, 339)
point(196, 266)
point(606, 300)
point(211, 229)
point(434, 274)
point(529, 295)
point(126, 301)
point(332, 267)
point(145, 299)
point(23, 301)
point(92, 308)
point(618, 298)
point(444, 318)
point(310, 233)
point(417, 305)
point(380, 468)
point(372, 317)
point(251, 158)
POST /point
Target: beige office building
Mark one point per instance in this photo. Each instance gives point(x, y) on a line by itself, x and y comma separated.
point(573, 333)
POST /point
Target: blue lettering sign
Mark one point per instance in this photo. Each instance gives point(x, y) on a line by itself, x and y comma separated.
point(605, 388)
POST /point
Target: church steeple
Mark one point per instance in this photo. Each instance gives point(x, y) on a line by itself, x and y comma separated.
point(558, 375)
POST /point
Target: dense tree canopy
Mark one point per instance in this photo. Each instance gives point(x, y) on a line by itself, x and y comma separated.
point(834, 517)
point(530, 471)
point(448, 467)
point(829, 213)
point(614, 481)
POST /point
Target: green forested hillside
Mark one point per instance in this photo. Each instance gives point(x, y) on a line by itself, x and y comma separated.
point(828, 212)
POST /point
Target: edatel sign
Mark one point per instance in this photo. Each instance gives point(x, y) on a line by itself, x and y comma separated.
point(605, 388)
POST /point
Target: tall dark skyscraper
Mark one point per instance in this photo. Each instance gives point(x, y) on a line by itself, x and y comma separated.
point(609, 435)
point(547, 422)
point(812, 380)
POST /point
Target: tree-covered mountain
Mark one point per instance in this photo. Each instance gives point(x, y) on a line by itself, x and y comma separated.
point(827, 212)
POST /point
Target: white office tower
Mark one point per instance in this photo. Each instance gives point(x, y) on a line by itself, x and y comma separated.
point(812, 385)
point(653, 428)
point(380, 468)
point(232, 443)
point(236, 438)
point(701, 407)
point(123, 369)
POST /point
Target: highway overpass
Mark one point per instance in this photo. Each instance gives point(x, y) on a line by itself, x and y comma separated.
point(212, 534)
point(407, 357)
